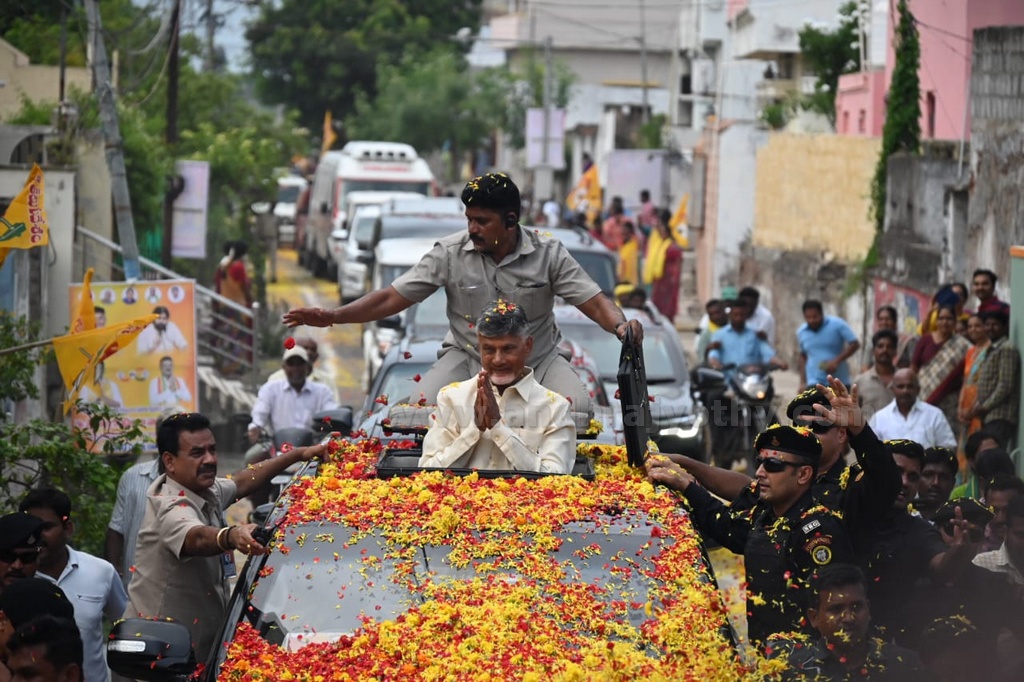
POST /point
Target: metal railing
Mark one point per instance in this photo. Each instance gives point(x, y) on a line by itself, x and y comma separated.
point(226, 332)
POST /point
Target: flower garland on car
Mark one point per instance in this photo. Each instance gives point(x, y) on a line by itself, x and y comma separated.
point(654, 615)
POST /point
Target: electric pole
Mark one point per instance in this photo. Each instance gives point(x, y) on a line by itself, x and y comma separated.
point(171, 132)
point(211, 26)
point(645, 115)
point(112, 138)
point(544, 176)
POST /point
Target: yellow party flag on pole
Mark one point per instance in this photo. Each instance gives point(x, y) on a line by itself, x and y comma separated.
point(79, 354)
point(86, 317)
point(23, 224)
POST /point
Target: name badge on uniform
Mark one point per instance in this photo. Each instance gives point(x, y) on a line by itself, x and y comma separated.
point(227, 564)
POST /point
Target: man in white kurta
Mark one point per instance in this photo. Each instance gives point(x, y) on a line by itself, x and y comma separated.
point(502, 418)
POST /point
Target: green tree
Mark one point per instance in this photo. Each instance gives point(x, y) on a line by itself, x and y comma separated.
point(37, 452)
point(830, 54)
point(432, 101)
point(902, 129)
point(319, 55)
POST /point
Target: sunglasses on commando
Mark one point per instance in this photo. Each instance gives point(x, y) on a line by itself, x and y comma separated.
point(774, 465)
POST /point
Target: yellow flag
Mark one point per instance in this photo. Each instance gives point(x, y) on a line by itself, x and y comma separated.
point(678, 221)
point(79, 354)
point(329, 135)
point(24, 222)
point(86, 318)
point(586, 195)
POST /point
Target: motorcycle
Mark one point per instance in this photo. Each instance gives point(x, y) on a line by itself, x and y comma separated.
point(322, 424)
point(739, 407)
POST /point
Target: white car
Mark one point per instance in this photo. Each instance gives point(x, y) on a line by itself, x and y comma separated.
point(427, 218)
point(393, 257)
point(289, 188)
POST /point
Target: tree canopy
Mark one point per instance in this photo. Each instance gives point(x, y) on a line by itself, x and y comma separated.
point(320, 55)
point(830, 54)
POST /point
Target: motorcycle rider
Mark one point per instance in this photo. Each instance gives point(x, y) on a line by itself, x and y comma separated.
point(737, 344)
point(732, 347)
point(283, 404)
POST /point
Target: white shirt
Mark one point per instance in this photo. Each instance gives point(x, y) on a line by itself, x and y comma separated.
point(926, 424)
point(998, 561)
point(171, 392)
point(279, 406)
point(95, 590)
point(762, 320)
point(316, 375)
point(130, 508)
point(150, 340)
point(535, 433)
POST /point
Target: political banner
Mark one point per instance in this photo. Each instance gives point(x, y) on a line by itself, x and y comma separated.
point(155, 373)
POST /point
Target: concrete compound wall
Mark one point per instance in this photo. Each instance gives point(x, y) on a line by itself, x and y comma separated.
point(996, 211)
point(924, 233)
point(813, 194)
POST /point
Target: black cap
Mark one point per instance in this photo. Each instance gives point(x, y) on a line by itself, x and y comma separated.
point(972, 510)
point(24, 599)
point(792, 439)
point(803, 405)
point(20, 530)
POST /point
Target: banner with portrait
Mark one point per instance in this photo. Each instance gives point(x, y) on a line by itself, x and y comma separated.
point(156, 373)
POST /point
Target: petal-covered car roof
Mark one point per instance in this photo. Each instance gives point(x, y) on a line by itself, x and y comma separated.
point(438, 576)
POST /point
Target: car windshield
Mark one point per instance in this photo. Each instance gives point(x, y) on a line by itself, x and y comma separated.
point(333, 577)
point(398, 382)
point(400, 229)
point(430, 314)
point(288, 194)
point(389, 273)
point(660, 358)
point(600, 267)
point(385, 186)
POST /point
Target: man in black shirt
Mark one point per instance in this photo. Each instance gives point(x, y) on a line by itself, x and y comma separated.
point(906, 551)
point(783, 538)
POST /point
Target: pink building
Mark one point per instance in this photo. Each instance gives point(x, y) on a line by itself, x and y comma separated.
point(946, 29)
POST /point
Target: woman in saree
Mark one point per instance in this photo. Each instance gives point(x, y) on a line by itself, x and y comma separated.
point(939, 362)
point(663, 266)
point(969, 391)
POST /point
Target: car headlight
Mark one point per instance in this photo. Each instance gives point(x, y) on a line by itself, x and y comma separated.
point(687, 428)
point(385, 339)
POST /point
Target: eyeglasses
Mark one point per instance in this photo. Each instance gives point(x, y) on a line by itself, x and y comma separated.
point(27, 556)
point(773, 465)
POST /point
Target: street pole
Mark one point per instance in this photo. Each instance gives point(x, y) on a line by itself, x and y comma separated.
point(645, 114)
point(171, 131)
point(114, 150)
point(544, 176)
point(210, 28)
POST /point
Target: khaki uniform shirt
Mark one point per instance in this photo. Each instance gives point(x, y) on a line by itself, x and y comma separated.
point(535, 433)
point(192, 590)
point(875, 394)
point(539, 269)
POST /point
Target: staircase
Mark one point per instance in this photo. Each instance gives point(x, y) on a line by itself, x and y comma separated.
point(220, 397)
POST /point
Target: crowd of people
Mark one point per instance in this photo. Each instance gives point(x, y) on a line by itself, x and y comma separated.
point(646, 240)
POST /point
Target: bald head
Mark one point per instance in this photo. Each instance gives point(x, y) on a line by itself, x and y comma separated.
point(905, 388)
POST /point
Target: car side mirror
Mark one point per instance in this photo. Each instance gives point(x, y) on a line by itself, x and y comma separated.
point(150, 650)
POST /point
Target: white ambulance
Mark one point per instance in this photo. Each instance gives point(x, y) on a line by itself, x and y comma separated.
point(357, 167)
